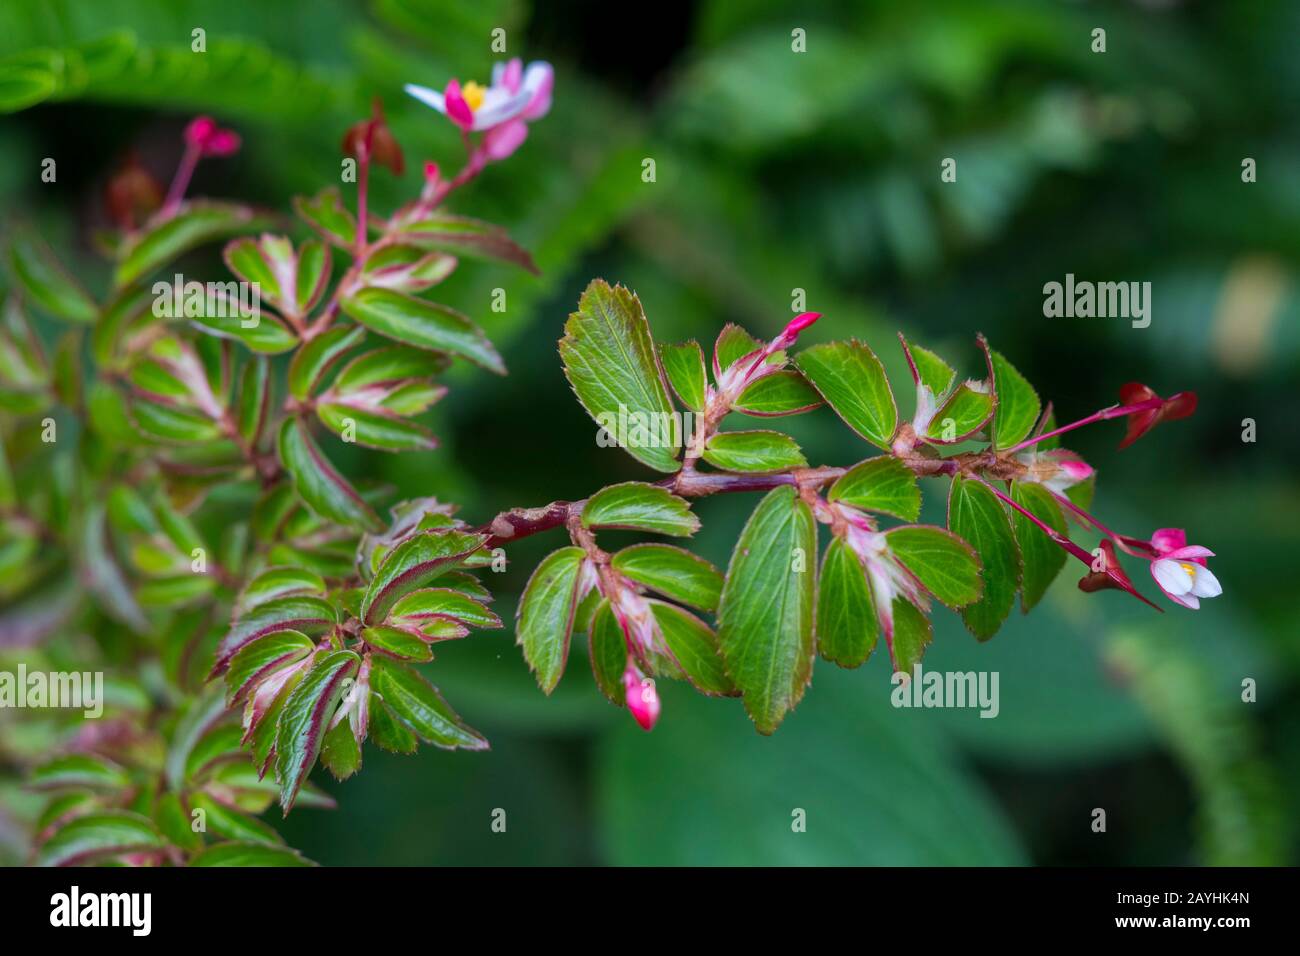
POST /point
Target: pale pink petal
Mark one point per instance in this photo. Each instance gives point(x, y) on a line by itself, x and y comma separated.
point(1191, 551)
point(539, 80)
point(501, 141)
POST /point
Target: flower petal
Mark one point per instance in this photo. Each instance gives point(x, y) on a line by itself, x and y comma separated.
point(501, 141)
point(427, 96)
point(539, 80)
point(1205, 584)
point(1171, 577)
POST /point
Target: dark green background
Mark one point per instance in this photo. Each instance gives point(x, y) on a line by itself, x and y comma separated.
point(817, 171)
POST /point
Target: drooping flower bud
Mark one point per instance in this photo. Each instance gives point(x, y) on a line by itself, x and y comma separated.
point(132, 194)
point(373, 138)
point(1170, 409)
point(1108, 573)
point(642, 697)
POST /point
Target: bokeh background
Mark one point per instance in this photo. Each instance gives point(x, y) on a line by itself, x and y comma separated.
point(819, 171)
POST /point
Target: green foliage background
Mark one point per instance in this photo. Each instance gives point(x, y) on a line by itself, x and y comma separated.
point(818, 171)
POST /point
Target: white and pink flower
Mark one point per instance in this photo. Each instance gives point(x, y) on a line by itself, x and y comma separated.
point(1180, 569)
point(502, 110)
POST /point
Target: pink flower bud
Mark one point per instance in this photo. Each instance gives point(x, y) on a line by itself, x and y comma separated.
point(642, 698)
point(790, 334)
point(1076, 469)
point(199, 130)
point(431, 172)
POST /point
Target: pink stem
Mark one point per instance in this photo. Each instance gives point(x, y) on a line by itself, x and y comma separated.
point(1074, 549)
point(181, 181)
point(363, 180)
point(1113, 411)
point(1119, 539)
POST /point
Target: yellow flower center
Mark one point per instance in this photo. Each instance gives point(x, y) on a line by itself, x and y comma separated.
point(473, 95)
point(1189, 567)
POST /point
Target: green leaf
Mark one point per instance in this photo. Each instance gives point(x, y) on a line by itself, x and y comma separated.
point(96, 836)
point(975, 513)
point(962, 414)
point(442, 602)
point(846, 614)
point(227, 823)
point(684, 366)
point(313, 360)
point(1018, 406)
point(936, 374)
point(467, 237)
point(78, 770)
point(323, 489)
point(340, 753)
point(397, 643)
point(913, 633)
point(303, 720)
point(766, 611)
point(782, 393)
point(638, 506)
point(254, 399)
point(326, 213)
point(314, 263)
point(940, 560)
point(1041, 557)
point(881, 484)
point(694, 649)
point(424, 324)
point(393, 363)
point(609, 358)
point(299, 612)
point(418, 705)
point(608, 654)
point(388, 732)
point(380, 430)
point(47, 282)
point(546, 615)
point(412, 564)
point(407, 268)
point(164, 239)
point(22, 361)
point(237, 853)
point(756, 451)
point(673, 572)
point(732, 345)
point(659, 794)
point(260, 658)
point(851, 379)
point(277, 583)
